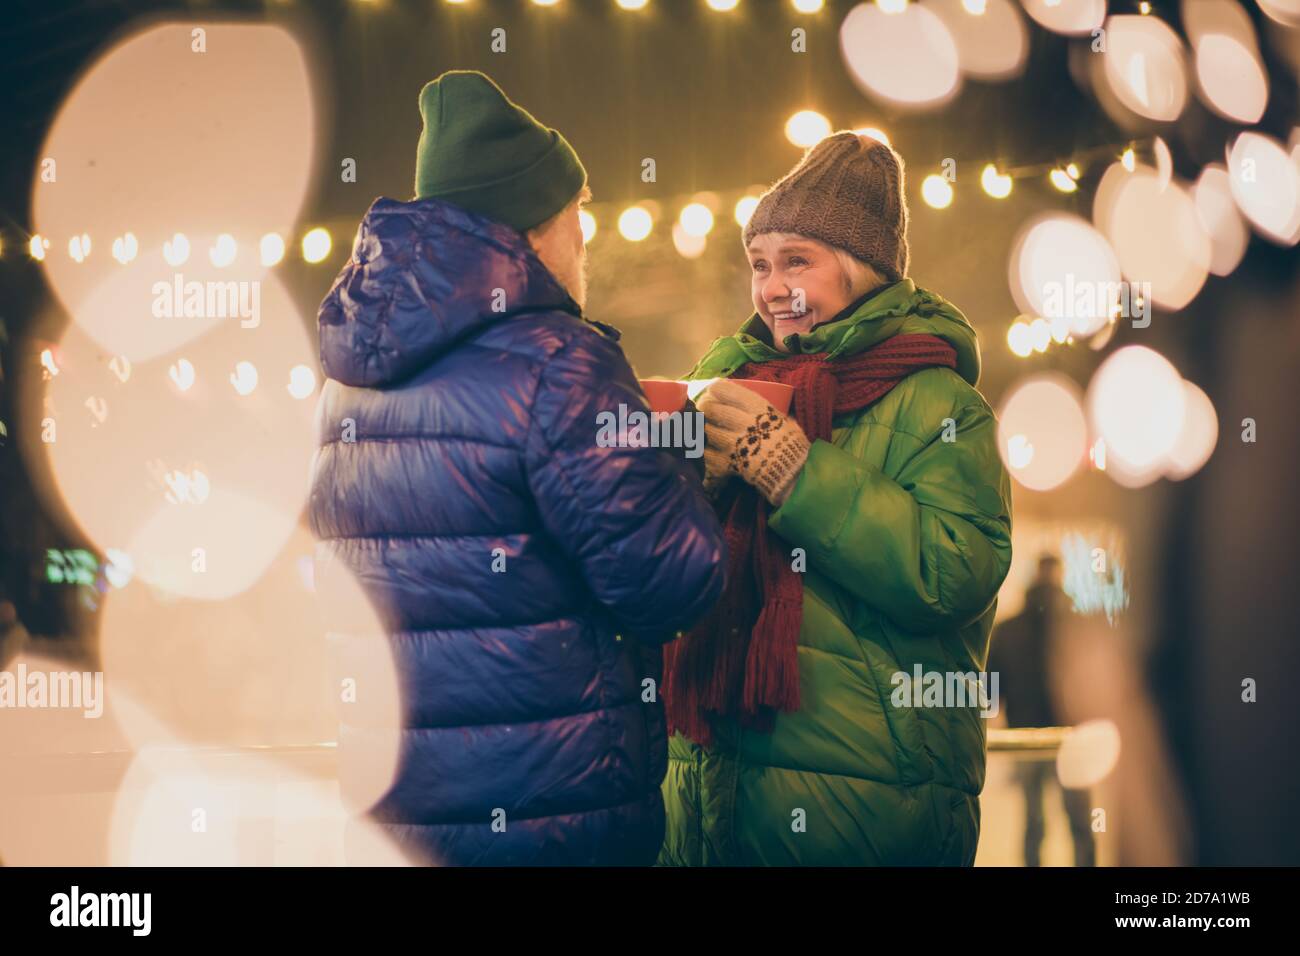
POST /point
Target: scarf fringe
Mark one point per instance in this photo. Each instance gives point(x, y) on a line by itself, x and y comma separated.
point(772, 668)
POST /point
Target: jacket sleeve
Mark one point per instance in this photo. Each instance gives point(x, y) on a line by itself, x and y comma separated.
point(928, 549)
point(633, 520)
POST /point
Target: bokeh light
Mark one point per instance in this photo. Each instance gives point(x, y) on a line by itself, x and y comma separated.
point(1265, 183)
point(1155, 232)
point(1136, 402)
point(1061, 267)
point(907, 58)
point(1042, 431)
point(1143, 66)
point(807, 128)
point(1197, 437)
point(635, 223)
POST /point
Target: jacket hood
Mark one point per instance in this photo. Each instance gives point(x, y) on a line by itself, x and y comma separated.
point(899, 309)
point(423, 276)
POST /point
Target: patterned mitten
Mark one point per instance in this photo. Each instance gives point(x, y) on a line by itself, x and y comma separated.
point(746, 436)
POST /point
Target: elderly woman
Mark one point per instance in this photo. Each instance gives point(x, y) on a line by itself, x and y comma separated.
point(869, 531)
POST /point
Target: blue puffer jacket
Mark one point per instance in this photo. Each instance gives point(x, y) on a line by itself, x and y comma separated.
point(523, 575)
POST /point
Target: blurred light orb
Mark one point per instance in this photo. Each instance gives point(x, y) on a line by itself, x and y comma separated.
point(126, 248)
point(1062, 181)
point(1040, 334)
point(633, 4)
point(877, 134)
point(1070, 17)
point(907, 58)
point(588, 223)
point(722, 6)
point(1019, 339)
point(1061, 267)
point(1231, 79)
point(995, 184)
point(239, 127)
point(244, 378)
point(316, 245)
point(689, 245)
point(1197, 438)
point(79, 247)
point(1265, 183)
point(992, 41)
point(36, 247)
point(1136, 402)
point(271, 249)
point(936, 191)
point(1285, 12)
point(302, 381)
point(635, 223)
point(808, 6)
point(1164, 162)
point(1155, 231)
point(223, 251)
point(745, 210)
point(807, 128)
point(1143, 65)
point(1042, 431)
point(1222, 222)
point(696, 219)
point(176, 250)
point(181, 373)
point(1088, 754)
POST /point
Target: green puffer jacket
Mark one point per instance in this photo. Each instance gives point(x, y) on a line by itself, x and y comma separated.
point(907, 538)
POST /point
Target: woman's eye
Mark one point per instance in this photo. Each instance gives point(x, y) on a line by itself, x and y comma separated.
point(798, 262)
point(760, 266)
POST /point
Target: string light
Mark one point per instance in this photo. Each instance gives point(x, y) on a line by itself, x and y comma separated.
point(271, 249)
point(696, 219)
point(316, 245)
point(635, 223)
point(745, 207)
point(936, 191)
point(1062, 179)
point(995, 184)
point(807, 128)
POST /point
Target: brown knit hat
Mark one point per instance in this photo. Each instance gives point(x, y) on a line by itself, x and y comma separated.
point(847, 191)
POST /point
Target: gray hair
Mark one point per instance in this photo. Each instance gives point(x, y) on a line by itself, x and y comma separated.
point(859, 277)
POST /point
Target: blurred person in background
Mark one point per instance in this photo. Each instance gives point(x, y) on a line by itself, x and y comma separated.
point(1021, 653)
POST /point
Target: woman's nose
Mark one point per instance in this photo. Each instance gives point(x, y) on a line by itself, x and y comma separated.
point(774, 288)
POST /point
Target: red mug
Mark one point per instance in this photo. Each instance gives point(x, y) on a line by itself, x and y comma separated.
point(664, 395)
point(777, 395)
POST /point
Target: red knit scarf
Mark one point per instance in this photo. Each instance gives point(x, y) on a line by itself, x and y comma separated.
point(741, 660)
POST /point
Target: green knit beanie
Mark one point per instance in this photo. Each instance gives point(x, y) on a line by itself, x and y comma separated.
point(485, 154)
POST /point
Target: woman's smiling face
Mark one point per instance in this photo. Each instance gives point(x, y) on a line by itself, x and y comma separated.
point(796, 283)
